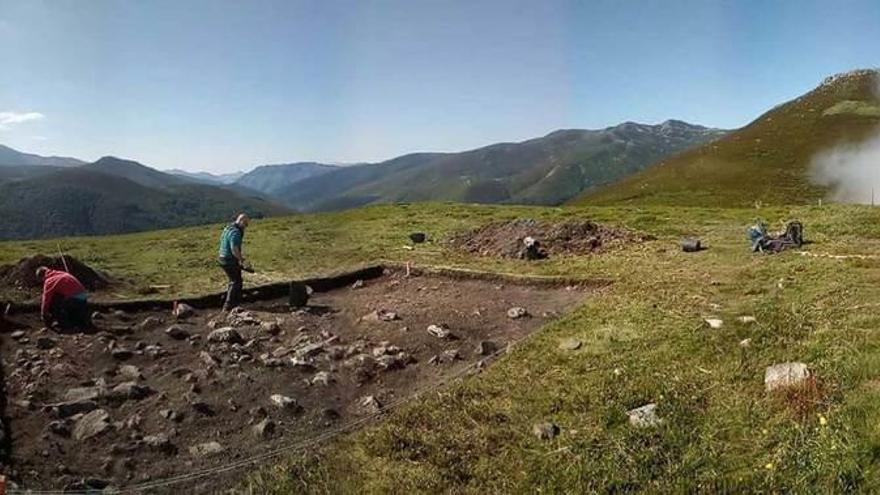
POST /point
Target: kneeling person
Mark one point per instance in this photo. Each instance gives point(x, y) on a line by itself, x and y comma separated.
point(64, 301)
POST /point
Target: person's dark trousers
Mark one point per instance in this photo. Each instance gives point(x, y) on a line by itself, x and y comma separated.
point(71, 312)
point(233, 290)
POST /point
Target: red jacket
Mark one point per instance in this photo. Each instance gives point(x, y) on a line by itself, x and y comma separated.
point(58, 283)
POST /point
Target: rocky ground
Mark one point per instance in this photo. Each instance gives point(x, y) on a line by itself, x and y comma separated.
point(148, 396)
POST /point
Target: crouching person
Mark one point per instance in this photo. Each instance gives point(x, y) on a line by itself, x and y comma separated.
point(64, 301)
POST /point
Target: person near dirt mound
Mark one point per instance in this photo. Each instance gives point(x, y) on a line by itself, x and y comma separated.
point(65, 300)
point(232, 260)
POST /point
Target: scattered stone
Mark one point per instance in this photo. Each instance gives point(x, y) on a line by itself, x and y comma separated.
point(17, 334)
point(785, 375)
point(45, 343)
point(545, 431)
point(97, 315)
point(381, 315)
point(72, 408)
point(208, 359)
point(130, 371)
point(271, 327)
point(283, 402)
point(451, 355)
point(485, 347)
point(310, 350)
point(60, 428)
point(203, 408)
point(321, 378)
point(439, 331)
point(159, 442)
point(357, 285)
point(121, 353)
point(183, 311)
point(570, 345)
point(91, 424)
point(370, 405)
point(644, 416)
point(302, 363)
point(714, 323)
point(225, 335)
point(264, 429)
point(206, 449)
point(393, 362)
point(177, 332)
point(133, 422)
point(80, 394)
point(128, 391)
point(517, 313)
point(745, 343)
point(150, 323)
point(747, 320)
point(171, 415)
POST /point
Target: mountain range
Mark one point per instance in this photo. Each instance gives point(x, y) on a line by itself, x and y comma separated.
point(772, 160)
point(112, 196)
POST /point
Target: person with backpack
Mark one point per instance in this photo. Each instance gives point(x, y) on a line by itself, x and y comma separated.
point(232, 260)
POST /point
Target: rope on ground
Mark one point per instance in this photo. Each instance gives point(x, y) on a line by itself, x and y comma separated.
point(290, 448)
point(839, 256)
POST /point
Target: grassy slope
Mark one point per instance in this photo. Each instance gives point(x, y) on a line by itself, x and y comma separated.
point(766, 161)
point(720, 426)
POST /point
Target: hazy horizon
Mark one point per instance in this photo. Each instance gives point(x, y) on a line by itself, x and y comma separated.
point(224, 86)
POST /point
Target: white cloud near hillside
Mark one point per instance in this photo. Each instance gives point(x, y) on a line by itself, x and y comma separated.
point(10, 118)
point(851, 171)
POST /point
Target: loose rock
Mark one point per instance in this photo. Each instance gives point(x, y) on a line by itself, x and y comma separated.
point(517, 313)
point(570, 345)
point(439, 331)
point(45, 343)
point(370, 405)
point(545, 431)
point(714, 323)
point(150, 323)
point(206, 449)
point(785, 375)
point(182, 311)
point(264, 429)
point(177, 332)
point(225, 335)
point(644, 416)
point(130, 371)
point(283, 401)
point(91, 424)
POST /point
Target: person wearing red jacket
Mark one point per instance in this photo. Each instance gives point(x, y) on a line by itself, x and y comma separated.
point(64, 301)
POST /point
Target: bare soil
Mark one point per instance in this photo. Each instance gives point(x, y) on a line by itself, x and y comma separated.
point(576, 237)
point(129, 403)
point(22, 275)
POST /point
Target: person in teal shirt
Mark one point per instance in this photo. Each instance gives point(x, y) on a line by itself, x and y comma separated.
point(232, 260)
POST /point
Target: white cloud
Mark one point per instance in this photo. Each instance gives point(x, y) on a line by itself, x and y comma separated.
point(8, 118)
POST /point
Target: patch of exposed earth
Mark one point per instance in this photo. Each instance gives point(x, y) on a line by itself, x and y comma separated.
point(148, 396)
point(573, 237)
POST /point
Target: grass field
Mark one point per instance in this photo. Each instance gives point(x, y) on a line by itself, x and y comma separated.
point(644, 341)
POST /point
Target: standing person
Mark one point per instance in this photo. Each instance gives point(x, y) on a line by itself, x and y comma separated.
point(232, 260)
point(64, 300)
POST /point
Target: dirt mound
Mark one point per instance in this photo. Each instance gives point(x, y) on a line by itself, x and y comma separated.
point(506, 238)
point(22, 275)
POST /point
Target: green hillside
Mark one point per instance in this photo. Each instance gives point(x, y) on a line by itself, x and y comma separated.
point(644, 340)
point(548, 170)
point(768, 161)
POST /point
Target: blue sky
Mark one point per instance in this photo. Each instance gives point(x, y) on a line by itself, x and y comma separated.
point(221, 86)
